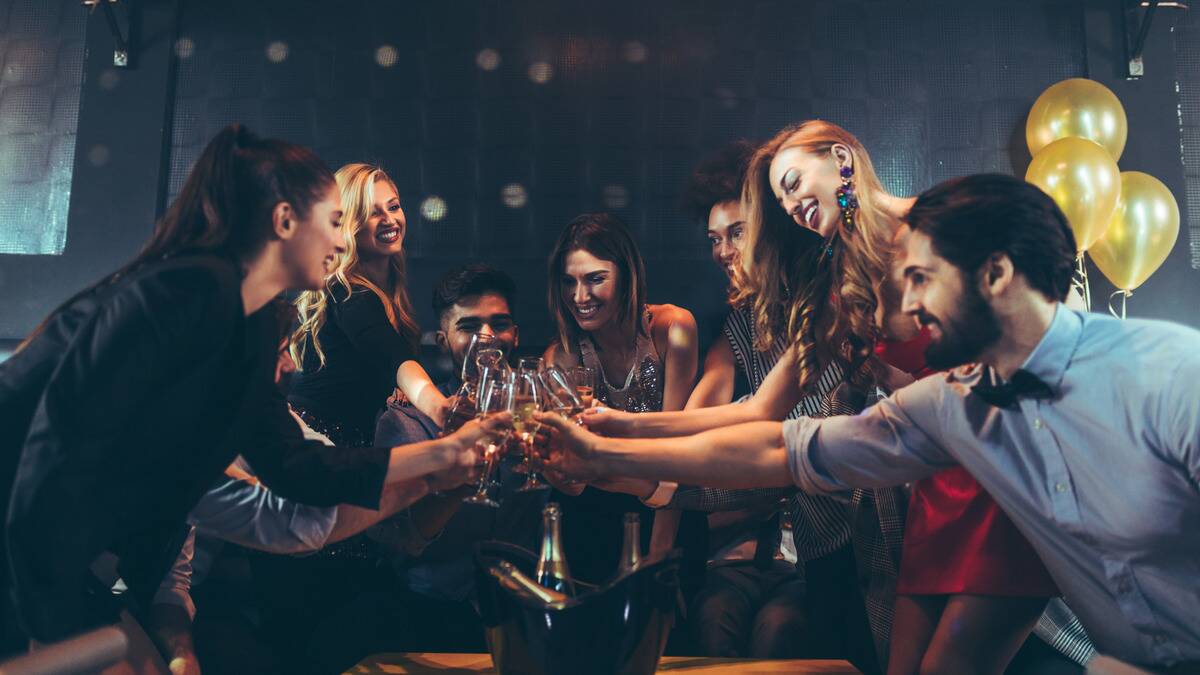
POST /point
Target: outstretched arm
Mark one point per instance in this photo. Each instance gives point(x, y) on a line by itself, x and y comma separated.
point(749, 455)
point(776, 397)
point(881, 447)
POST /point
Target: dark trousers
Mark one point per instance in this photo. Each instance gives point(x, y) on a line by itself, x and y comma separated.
point(323, 614)
point(744, 611)
point(837, 613)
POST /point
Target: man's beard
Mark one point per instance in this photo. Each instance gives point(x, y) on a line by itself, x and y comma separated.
point(964, 335)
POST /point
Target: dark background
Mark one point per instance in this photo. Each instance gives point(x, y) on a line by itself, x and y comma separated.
point(638, 93)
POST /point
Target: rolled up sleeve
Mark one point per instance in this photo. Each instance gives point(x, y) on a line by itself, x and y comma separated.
point(248, 514)
point(880, 447)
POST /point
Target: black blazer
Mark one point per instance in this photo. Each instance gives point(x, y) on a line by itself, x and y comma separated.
point(122, 412)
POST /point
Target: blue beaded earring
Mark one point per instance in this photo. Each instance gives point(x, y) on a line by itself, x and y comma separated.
point(846, 198)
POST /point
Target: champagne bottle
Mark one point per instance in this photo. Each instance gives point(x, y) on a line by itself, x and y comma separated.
point(552, 571)
point(516, 581)
point(631, 546)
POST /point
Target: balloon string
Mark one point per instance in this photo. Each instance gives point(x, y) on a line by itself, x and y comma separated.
point(1113, 310)
point(1080, 282)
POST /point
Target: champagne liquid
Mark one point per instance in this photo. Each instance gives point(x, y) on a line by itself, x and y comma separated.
point(585, 394)
point(523, 411)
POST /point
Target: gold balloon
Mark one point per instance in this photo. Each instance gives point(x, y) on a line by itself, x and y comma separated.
point(1081, 108)
point(1143, 231)
point(1083, 180)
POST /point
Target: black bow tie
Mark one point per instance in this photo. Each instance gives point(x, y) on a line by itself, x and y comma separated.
point(1023, 384)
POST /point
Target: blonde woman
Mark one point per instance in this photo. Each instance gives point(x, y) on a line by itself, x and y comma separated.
point(356, 331)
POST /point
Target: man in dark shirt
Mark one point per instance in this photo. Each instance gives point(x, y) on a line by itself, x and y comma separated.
point(433, 541)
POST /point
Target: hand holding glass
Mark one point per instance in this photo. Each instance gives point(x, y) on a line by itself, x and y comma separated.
point(495, 396)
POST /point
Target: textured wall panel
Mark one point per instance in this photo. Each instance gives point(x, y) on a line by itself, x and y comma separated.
point(1187, 69)
point(41, 56)
point(520, 115)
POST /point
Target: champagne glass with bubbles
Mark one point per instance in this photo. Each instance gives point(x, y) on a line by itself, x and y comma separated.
point(561, 393)
point(495, 396)
point(529, 396)
point(584, 379)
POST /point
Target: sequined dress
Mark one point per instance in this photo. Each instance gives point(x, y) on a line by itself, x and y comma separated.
point(593, 521)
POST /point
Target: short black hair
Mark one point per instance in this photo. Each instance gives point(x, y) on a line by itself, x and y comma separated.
point(468, 280)
point(717, 179)
point(968, 219)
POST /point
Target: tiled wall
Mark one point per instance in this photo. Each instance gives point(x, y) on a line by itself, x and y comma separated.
point(444, 96)
point(41, 67)
point(1187, 69)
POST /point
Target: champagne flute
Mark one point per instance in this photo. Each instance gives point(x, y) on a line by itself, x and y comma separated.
point(562, 398)
point(584, 379)
point(479, 343)
point(561, 392)
point(495, 396)
point(485, 351)
point(528, 398)
point(491, 358)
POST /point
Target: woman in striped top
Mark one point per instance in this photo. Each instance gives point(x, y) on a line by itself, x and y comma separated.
point(754, 603)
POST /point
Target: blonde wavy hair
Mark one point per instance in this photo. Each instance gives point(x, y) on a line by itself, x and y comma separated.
point(357, 185)
point(817, 297)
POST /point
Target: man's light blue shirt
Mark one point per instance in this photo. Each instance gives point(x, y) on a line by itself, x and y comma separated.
point(1102, 480)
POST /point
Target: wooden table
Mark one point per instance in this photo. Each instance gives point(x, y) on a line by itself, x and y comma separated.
point(466, 664)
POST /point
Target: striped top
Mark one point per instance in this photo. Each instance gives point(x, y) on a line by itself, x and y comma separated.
point(740, 331)
point(820, 525)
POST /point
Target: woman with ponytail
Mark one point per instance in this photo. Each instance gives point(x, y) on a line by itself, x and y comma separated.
point(130, 399)
point(355, 331)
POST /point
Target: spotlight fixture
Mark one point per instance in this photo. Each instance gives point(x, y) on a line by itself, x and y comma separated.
point(1136, 18)
point(121, 52)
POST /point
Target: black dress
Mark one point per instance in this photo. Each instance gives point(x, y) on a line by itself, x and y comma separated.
point(343, 397)
point(321, 612)
point(122, 412)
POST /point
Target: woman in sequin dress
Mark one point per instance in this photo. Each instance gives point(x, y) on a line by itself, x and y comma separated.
point(644, 357)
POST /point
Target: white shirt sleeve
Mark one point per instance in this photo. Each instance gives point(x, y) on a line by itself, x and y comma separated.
point(247, 513)
point(880, 447)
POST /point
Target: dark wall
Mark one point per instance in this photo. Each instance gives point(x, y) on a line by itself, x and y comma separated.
point(1163, 108)
point(118, 169)
point(637, 93)
point(41, 49)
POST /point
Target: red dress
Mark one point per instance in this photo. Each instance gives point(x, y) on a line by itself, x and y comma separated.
point(956, 540)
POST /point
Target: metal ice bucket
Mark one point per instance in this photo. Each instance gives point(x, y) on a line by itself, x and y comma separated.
point(620, 627)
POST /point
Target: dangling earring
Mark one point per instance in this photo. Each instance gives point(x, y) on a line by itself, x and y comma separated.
point(846, 198)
